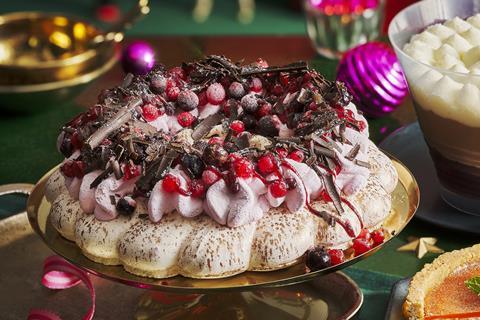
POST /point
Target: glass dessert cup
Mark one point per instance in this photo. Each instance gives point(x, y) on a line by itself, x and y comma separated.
point(443, 102)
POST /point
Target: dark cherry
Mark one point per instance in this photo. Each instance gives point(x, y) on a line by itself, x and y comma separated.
point(126, 206)
point(267, 126)
point(193, 164)
point(215, 154)
point(318, 259)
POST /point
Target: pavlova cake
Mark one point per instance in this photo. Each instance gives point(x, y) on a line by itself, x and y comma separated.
point(213, 168)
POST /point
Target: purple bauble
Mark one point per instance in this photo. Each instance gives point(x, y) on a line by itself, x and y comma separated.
point(373, 75)
point(138, 58)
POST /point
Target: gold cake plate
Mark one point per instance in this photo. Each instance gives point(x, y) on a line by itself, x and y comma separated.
point(244, 291)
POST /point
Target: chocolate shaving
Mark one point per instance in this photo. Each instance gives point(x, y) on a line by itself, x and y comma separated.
point(119, 119)
point(166, 162)
point(362, 163)
point(101, 177)
point(116, 168)
point(332, 191)
point(113, 201)
point(297, 66)
point(352, 154)
point(319, 150)
point(206, 125)
point(242, 142)
point(127, 81)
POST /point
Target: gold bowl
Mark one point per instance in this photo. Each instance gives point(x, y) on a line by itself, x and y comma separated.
point(47, 58)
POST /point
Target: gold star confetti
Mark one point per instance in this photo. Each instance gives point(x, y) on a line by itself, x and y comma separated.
point(421, 246)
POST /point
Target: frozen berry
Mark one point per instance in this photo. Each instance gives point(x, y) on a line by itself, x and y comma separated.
point(215, 140)
point(170, 183)
point(249, 103)
point(187, 100)
point(73, 168)
point(249, 121)
point(256, 85)
point(364, 234)
point(232, 157)
point(215, 154)
point(264, 110)
point(278, 188)
point(284, 79)
point(76, 141)
point(267, 126)
point(130, 171)
point(336, 256)
point(277, 90)
point(178, 72)
point(378, 237)
point(209, 177)
point(215, 93)
point(360, 246)
point(172, 93)
point(237, 127)
point(197, 188)
point(158, 83)
point(126, 206)
point(266, 164)
point(149, 112)
point(236, 90)
point(185, 119)
point(202, 99)
point(318, 259)
point(243, 168)
point(193, 164)
point(291, 183)
point(229, 106)
point(296, 155)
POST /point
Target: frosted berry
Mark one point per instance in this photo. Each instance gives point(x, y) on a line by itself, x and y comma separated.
point(170, 183)
point(278, 188)
point(266, 164)
point(264, 110)
point(378, 237)
point(202, 99)
point(172, 93)
point(197, 188)
point(158, 83)
point(256, 85)
point(149, 112)
point(236, 90)
point(237, 127)
point(178, 72)
point(187, 100)
point(243, 168)
point(364, 234)
point(267, 126)
point(249, 103)
point(130, 171)
point(296, 155)
point(185, 119)
point(209, 177)
point(336, 256)
point(215, 93)
point(318, 259)
point(360, 246)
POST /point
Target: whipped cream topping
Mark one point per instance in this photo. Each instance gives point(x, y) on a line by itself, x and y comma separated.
point(453, 46)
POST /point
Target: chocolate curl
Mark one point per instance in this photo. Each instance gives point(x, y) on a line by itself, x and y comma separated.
point(118, 120)
point(206, 125)
point(298, 66)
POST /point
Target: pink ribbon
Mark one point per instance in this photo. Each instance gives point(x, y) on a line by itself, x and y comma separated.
point(60, 274)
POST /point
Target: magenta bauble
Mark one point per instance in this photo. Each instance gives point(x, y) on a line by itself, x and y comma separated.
point(138, 58)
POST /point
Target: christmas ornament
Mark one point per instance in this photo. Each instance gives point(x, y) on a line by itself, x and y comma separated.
point(373, 75)
point(138, 58)
point(421, 246)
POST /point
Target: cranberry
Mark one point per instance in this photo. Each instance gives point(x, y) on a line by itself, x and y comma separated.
point(75, 141)
point(130, 171)
point(296, 155)
point(249, 103)
point(256, 85)
point(278, 188)
point(282, 152)
point(72, 169)
point(336, 256)
point(178, 72)
point(170, 183)
point(215, 93)
point(236, 90)
point(266, 164)
point(202, 99)
point(187, 100)
point(284, 79)
point(232, 157)
point(264, 110)
point(209, 177)
point(197, 187)
point(364, 234)
point(243, 168)
point(185, 119)
point(172, 93)
point(378, 237)
point(360, 246)
point(215, 140)
point(312, 106)
point(277, 90)
point(237, 127)
point(149, 112)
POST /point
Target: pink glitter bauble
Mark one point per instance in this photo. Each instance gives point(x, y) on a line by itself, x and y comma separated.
point(373, 75)
point(138, 58)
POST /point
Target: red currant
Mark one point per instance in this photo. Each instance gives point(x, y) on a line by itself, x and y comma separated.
point(336, 256)
point(364, 234)
point(185, 119)
point(215, 140)
point(209, 177)
point(264, 110)
point(172, 93)
point(170, 183)
point(215, 93)
point(72, 169)
point(282, 153)
point(297, 155)
point(266, 164)
point(378, 237)
point(130, 171)
point(149, 112)
point(237, 127)
point(360, 246)
point(197, 187)
point(178, 72)
point(202, 99)
point(243, 168)
point(256, 85)
point(278, 188)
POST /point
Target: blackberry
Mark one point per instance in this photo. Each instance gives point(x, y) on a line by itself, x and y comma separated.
point(193, 164)
point(126, 206)
point(318, 259)
point(236, 90)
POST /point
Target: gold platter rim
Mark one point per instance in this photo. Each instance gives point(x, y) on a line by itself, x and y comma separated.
point(241, 282)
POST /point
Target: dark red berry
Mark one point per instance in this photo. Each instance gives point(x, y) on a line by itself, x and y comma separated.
point(282, 152)
point(73, 168)
point(364, 234)
point(336, 256)
point(172, 93)
point(215, 140)
point(291, 183)
point(193, 164)
point(261, 63)
point(178, 72)
point(209, 177)
point(249, 121)
point(158, 83)
point(284, 79)
point(278, 188)
point(360, 246)
point(296, 155)
point(202, 98)
point(130, 171)
point(318, 259)
point(75, 141)
point(170, 183)
point(215, 93)
point(277, 90)
point(149, 112)
point(197, 188)
point(243, 168)
point(187, 100)
point(237, 127)
point(185, 119)
point(256, 85)
point(378, 237)
point(264, 110)
point(249, 103)
point(268, 126)
point(266, 164)
point(236, 90)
